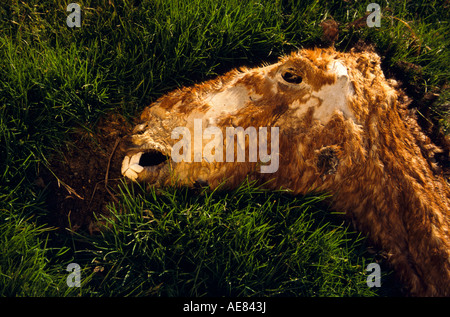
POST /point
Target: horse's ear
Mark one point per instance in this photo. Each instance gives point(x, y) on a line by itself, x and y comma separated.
point(338, 68)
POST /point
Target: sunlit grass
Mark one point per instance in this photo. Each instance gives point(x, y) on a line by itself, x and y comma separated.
point(247, 242)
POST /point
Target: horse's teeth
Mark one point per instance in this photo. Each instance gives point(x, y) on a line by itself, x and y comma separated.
point(131, 174)
point(135, 158)
point(125, 164)
point(137, 168)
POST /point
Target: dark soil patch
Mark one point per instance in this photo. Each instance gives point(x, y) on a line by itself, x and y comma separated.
point(82, 182)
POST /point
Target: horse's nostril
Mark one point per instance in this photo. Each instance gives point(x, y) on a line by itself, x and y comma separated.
point(140, 129)
point(152, 158)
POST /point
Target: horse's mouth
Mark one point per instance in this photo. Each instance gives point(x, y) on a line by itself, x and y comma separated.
point(147, 164)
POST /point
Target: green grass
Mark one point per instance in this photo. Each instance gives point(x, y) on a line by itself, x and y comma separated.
point(54, 79)
point(248, 242)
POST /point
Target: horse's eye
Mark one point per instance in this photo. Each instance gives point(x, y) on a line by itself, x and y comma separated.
point(290, 77)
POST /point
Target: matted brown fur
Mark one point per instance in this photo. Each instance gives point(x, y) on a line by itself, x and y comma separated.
point(380, 167)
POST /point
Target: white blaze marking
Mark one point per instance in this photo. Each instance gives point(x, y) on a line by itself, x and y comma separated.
point(330, 98)
point(225, 102)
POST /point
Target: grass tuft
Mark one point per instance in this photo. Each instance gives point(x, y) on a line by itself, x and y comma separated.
point(247, 242)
